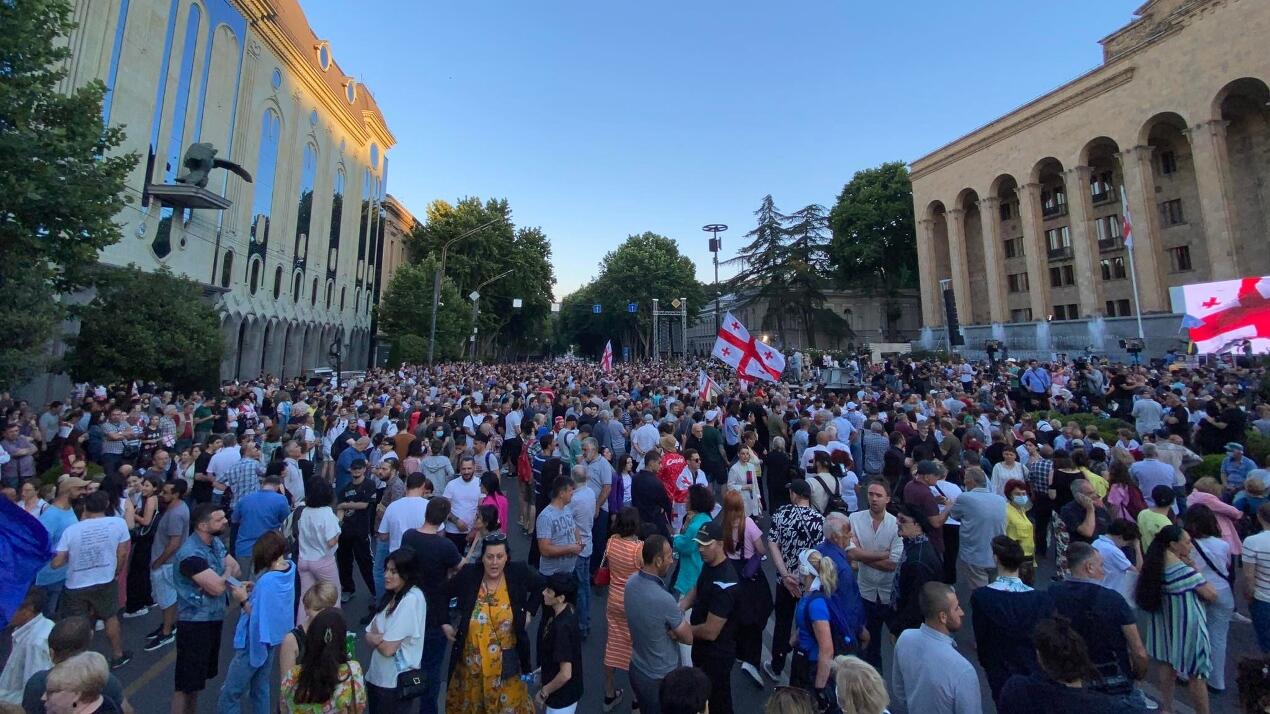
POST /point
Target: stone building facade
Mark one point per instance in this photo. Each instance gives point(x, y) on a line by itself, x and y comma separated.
point(293, 262)
point(1023, 216)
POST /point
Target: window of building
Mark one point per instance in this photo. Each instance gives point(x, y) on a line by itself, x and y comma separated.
point(1059, 242)
point(295, 286)
point(1168, 162)
point(1007, 210)
point(1062, 276)
point(1123, 306)
point(226, 269)
point(304, 210)
point(1171, 212)
point(1017, 282)
point(313, 293)
point(1023, 314)
point(1053, 201)
point(277, 282)
point(1066, 312)
point(343, 292)
point(1100, 186)
point(1113, 268)
point(266, 165)
point(253, 277)
point(1109, 232)
point(1014, 248)
point(337, 206)
point(1118, 308)
point(1180, 257)
point(162, 243)
point(330, 293)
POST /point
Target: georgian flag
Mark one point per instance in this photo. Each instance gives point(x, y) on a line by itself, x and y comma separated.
point(1221, 315)
point(706, 388)
point(751, 359)
point(606, 362)
point(1126, 222)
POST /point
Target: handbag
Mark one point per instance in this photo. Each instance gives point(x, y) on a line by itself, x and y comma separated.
point(603, 576)
point(411, 683)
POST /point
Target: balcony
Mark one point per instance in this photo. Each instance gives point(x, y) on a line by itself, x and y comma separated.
point(1102, 197)
point(1060, 253)
point(1054, 210)
point(1106, 245)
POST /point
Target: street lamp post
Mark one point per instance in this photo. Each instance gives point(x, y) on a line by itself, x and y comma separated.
point(716, 244)
point(476, 306)
point(436, 284)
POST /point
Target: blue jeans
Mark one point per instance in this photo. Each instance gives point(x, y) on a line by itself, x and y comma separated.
point(52, 598)
point(434, 646)
point(583, 571)
point(243, 679)
point(1261, 623)
point(377, 570)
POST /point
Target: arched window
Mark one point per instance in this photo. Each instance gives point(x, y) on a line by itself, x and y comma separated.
point(226, 269)
point(295, 286)
point(266, 166)
point(330, 293)
point(253, 277)
point(337, 205)
point(277, 282)
point(308, 173)
point(343, 291)
point(313, 293)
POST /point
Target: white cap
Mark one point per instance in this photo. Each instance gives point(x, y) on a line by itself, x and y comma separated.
point(852, 405)
point(712, 414)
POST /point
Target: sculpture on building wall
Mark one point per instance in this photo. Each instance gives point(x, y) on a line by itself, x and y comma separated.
point(199, 161)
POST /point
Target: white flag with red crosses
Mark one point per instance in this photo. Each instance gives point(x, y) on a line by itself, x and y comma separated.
point(750, 358)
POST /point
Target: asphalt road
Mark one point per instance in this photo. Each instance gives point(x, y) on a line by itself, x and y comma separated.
point(148, 679)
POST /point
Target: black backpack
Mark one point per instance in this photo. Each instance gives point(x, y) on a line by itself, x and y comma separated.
point(836, 503)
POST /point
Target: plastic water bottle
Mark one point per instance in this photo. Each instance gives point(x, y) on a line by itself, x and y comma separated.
point(350, 644)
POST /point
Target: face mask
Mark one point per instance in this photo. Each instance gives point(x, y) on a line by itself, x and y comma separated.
point(1019, 501)
point(440, 433)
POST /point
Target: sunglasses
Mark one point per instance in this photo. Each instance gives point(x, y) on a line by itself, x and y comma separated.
point(494, 538)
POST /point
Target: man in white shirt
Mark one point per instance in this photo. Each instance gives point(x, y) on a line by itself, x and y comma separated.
point(225, 459)
point(95, 550)
point(644, 439)
point(464, 493)
point(1118, 573)
point(404, 513)
point(292, 475)
point(879, 550)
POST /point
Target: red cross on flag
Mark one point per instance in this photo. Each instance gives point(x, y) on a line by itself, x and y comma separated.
point(706, 388)
point(751, 359)
point(606, 361)
point(1223, 314)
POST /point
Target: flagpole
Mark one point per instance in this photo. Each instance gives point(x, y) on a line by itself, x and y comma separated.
point(1133, 273)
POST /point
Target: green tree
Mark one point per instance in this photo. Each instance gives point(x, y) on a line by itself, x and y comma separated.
point(408, 349)
point(807, 270)
point(405, 310)
point(643, 267)
point(764, 267)
point(874, 241)
point(130, 330)
point(59, 187)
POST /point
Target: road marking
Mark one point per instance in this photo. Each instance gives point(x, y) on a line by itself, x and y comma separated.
point(155, 670)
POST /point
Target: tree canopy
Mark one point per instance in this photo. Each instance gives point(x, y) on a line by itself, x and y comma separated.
point(131, 331)
point(405, 311)
point(60, 187)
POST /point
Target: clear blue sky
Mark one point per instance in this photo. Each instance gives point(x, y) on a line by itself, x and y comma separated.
point(601, 119)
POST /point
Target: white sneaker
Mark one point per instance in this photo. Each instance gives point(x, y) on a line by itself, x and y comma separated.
point(99, 626)
point(753, 672)
point(138, 613)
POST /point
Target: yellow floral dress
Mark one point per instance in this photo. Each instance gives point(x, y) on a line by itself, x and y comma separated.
point(475, 687)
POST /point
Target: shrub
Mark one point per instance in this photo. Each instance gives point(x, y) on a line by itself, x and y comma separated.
point(1257, 447)
point(1210, 466)
point(1106, 426)
point(95, 472)
point(411, 349)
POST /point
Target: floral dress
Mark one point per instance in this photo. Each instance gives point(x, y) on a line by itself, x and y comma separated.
point(1177, 633)
point(476, 687)
point(349, 695)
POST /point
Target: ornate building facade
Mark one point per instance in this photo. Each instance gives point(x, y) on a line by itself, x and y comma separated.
point(293, 262)
point(1023, 216)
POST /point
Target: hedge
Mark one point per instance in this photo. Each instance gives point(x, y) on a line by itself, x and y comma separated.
point(1210, 466)
point(94, 472)
point(1107, 427)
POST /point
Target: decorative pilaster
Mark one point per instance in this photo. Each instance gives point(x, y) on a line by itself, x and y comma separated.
point(993, 257)
point(1034, 248)
point(1084, 252)
point(1139, 182)
point(956, 219)
point(932, 309)
point(1212, 166)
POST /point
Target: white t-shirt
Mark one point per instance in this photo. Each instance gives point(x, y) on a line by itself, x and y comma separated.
point(464, 497)
point(317, 527)
point(848, 484)
point(949, 491)
point(91, 546)
point(225, 459)
point(400, 516)
point(404, 625)
point(1117, 570)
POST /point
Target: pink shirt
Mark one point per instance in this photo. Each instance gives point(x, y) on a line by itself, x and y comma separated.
point(499, 502)
point(1227, 517)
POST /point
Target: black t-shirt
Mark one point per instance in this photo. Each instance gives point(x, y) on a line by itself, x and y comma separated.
point(561, 643)
point(1098, 614)
point(438, 556)
point(358, 522)
point(716, 595)
point(201, 491)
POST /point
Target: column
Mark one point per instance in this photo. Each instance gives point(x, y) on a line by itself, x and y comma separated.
point(1034, 249)
point(1139, 182)
point(993, 259)
point(229, 335)
point(1084, 252)
point(1212, 164)
point(956, 219)
point(932, 306)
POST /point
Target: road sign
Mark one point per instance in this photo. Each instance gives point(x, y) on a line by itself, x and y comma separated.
point(632, 307)
point(626, 353)
point(596, 308)
point(517, 302)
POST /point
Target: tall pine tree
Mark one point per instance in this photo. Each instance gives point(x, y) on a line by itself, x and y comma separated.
point(60, 187)
point(764, 266)
point(807, 265)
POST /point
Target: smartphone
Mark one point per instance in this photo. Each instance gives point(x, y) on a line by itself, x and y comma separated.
point(233, 582)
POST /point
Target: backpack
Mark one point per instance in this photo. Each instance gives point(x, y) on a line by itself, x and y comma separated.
point(835, 503)
point(524, 468)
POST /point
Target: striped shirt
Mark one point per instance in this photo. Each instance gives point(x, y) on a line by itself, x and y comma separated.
point(1256, 552)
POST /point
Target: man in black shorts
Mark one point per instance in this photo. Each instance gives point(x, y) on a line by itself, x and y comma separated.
point(205, 574)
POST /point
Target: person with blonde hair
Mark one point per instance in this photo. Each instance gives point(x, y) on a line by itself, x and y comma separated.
point(790, 700)
point(819, 636)
point(860, 688)
point(319, 597)
point(76, 685)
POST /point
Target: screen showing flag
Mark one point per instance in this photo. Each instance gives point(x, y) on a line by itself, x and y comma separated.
point(1227, 315)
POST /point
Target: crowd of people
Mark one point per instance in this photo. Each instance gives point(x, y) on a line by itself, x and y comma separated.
point(865, 525)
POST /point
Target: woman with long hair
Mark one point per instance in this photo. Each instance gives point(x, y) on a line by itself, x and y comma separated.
point(1172, 592)
point(813, 618)
point(1215, 562)
point(1124, 498)
point(291, 651)
point(1060, 686)
point(396, 632)
point(486, 522)
point(743, 478)
point(140, 596)
point(700, 508)
point(319, 534)
point(622, 553)
point(1008, 469)
point(859, 687)
point(744, 545)
point(621, 491)
point(326, 680)
point(493, 496)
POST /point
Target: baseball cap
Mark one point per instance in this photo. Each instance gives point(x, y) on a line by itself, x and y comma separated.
point(926, 467)
point(709, 533)
point(800, 487)
point(710, 415)
point(68, 481)
point(852, 405)
point(648, 418)
point(1234, 446)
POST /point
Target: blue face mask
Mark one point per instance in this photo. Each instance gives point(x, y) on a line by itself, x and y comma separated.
point(440, 433)
point(1019, 501)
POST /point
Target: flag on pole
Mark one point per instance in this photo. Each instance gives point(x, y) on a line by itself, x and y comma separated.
point(706, 388)
point(751, 359)
point(1223, 315)
point(606, 362)
point(1126, 222)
